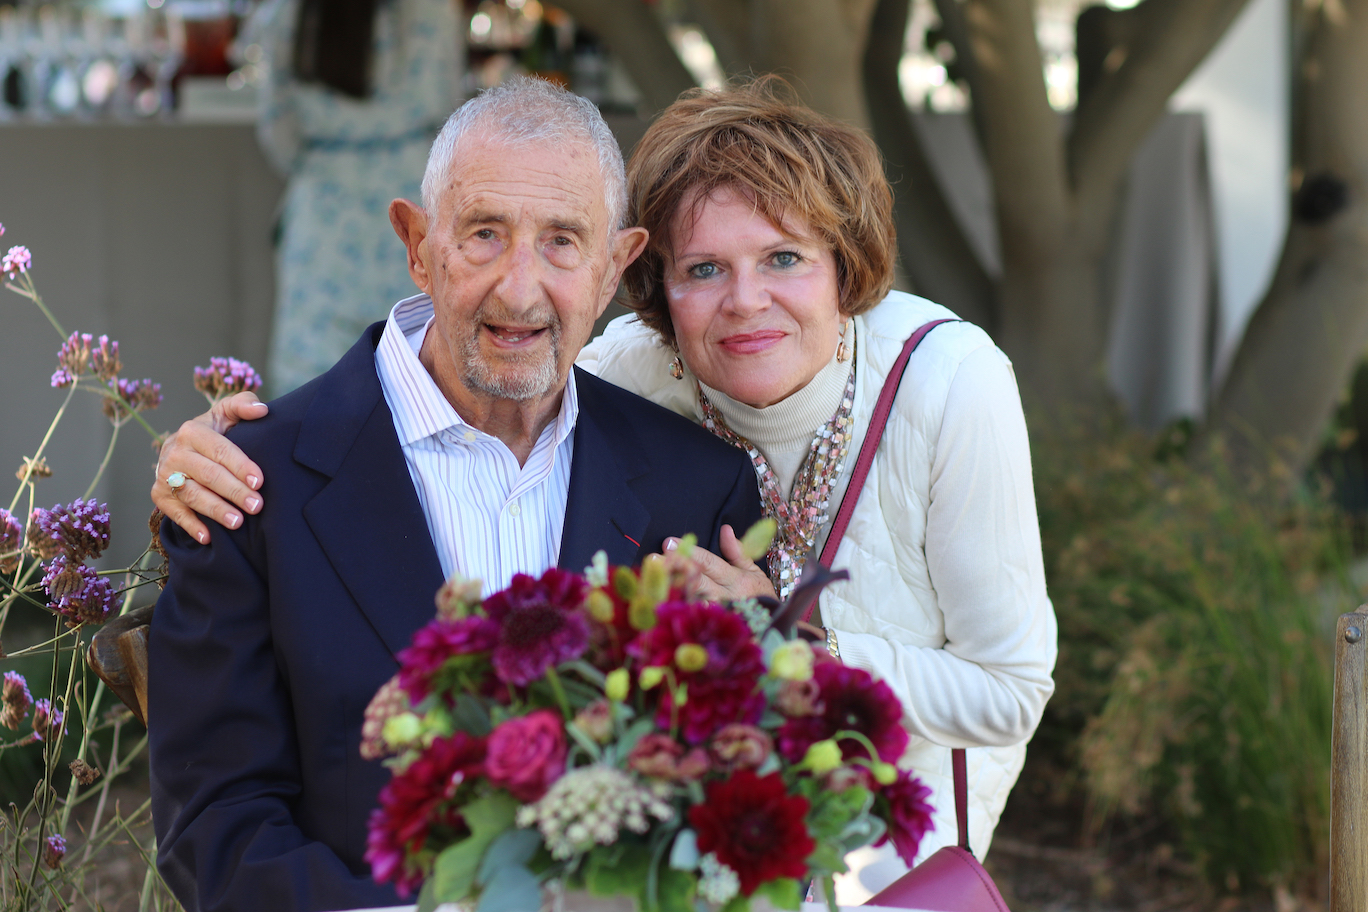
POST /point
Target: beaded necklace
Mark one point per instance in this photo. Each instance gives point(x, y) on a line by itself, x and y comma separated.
point(806, 511)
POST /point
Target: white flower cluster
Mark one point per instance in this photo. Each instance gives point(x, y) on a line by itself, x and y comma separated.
point(756, 615)
point(590, 805)
point(717, 883)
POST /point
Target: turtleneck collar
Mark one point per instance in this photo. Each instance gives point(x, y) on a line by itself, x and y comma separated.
point(783, 431)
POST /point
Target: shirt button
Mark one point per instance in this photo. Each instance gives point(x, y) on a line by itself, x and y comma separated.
point(469, 435)
point(514, 510)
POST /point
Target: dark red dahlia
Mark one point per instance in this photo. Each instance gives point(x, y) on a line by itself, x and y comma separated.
point(907, 808)
point(437, 643)
point(541, 624)
point(420, 802)
point(851, 700)
point(755, 827)
point(726, 688)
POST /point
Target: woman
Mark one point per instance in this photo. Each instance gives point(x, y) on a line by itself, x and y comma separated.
point(764, 313)
point(355, 91)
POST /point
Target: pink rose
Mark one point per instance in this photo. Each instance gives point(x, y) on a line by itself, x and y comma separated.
point(527, 754)
point(739, 746)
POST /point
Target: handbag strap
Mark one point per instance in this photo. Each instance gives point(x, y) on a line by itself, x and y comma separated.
point(877, 422)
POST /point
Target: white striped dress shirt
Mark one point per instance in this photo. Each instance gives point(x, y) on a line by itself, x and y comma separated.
point(489, 517)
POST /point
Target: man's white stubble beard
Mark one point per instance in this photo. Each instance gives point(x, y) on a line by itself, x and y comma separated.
point(517, 377)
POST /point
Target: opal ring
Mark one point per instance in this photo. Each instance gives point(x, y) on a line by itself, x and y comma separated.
point(175, 481)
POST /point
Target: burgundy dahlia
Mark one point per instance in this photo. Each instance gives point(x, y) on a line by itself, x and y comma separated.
point(851, 700)
point(542, 623)
point(726, 688)
point(437, 643)
point(755, 828)
point(909, 814)
point(419, 803)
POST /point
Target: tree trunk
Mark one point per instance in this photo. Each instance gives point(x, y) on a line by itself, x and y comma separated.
point(1309, 332)
point(635, 37)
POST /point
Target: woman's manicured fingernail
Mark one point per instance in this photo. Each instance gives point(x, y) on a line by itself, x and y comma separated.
point(202, 537)
point(671, 544)
point(257, 405)
point(232, 520)
point(253, 504)
point(253, 482)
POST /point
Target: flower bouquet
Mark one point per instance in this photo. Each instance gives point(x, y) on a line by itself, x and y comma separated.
point(605, 733)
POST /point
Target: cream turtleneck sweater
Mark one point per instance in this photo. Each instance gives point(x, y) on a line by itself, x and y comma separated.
point(783, 432)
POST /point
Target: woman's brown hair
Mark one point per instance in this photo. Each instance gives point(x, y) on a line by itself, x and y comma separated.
point(789, 160)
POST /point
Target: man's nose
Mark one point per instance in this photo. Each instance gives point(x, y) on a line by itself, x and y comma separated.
point(520, 284)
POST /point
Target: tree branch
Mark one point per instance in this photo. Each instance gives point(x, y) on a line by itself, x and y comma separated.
point(727, 24)
point(635, 36)
point(1166, 41)
point(952, 21)
point(933, 249)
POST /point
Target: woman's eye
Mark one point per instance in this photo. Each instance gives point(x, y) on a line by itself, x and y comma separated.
point(787, 258)
point(702, 271)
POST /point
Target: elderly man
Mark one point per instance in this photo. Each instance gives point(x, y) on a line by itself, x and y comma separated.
point(453, 438)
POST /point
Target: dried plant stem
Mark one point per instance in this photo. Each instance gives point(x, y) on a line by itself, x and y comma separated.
point(104, 463)
point(28, 471)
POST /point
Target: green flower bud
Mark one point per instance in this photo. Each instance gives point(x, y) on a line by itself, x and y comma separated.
point(601, 606)
point(792, 661)
point(625, 582)
point(757, 539)
point(641, 614)
point(691, 657)
point(402, 729)
point(822, 757)
point(651, 676)
point(885, 773)
point(655, 580)
point(617, 685)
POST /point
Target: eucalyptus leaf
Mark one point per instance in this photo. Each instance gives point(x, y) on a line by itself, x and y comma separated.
point(684, 854)
point(783, 893)
point(471, 716)
point(427, 897)
point(589, 745)
point(511, 847)
point(770, 641)
point(586, 671)
point(453, 874)
point(512, 889)
point(634, 733)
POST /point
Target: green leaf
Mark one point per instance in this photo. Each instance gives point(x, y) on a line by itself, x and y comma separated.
point(676, 891)
point(784, 893)
point(737, 903)
point(586, 743)
point(513, 889)
point(827, 858)
point(833, 812)
point(427, 897)
point(511, 847)
point(471, 716)
point(453, 874)
point(634, 733)
point(684, 854)
point(618, 869)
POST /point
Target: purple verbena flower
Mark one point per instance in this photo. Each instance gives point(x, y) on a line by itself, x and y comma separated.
point(73, 359)
point(15, 700)
point(140, 395)
point(54, 850)
point(225, 376)
point(17, 260)
point(11, 541)
point(47, 719)
point(79, 530)
point(78, 592)
point(105, 359)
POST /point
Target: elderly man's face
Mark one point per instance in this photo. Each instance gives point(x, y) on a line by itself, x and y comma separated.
point(519, 262)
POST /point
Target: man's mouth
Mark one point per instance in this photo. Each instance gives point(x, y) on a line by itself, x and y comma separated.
point(512, 336)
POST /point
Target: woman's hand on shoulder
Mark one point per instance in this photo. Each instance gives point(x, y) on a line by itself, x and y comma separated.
point(218, 475)
point(730, 577)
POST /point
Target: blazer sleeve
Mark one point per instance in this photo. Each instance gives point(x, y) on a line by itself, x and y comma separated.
point(224, 763)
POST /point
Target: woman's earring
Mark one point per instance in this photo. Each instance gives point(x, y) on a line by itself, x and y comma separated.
point(842, 353)
point(677, 368)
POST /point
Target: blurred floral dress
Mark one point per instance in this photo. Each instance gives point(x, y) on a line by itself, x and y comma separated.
point(339, 264)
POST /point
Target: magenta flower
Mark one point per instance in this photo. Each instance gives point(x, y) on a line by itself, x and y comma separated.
point(17, 260)
point(909, 814)
point(726, 688)
point(11, 541)
point(54, 850)
point(104, 359)
point(15, 700)
point(541, 624)
point(527, 754)
point(141, 396)
point(47, 719)
point(851, 700)
point(224, 377)
point(419, 803)
point(80, 530)
point(78, 592)
point(436, 644)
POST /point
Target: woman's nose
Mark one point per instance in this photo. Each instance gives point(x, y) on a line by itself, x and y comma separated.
point(749, 295)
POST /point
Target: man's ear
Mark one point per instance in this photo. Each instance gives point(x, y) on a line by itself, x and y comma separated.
point(627, 245)
point(411, 224)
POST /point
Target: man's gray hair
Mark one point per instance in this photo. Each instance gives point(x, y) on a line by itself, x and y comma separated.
point(526, 109)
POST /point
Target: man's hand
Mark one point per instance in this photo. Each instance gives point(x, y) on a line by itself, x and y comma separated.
point(731, 577)
point(214, 468)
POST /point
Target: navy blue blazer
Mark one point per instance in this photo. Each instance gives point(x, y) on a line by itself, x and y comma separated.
point(268, 643)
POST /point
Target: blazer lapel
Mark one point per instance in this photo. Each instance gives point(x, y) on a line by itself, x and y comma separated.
point(367, 518)
point(602, 512)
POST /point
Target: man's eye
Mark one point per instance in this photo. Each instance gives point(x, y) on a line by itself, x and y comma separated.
point(703, 271)
point(561, 241)
point(485, 234)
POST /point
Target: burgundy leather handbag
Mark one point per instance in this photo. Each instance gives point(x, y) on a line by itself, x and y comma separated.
point(951, 879)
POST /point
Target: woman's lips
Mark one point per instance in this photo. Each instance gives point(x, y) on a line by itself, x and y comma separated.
point(753, 342)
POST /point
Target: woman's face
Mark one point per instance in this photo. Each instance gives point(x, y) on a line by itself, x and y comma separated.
point(755, 305)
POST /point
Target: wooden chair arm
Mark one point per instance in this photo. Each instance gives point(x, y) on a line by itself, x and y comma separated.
point(118, 656)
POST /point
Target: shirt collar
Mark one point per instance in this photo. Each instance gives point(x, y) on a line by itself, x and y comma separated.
point(420, 409)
